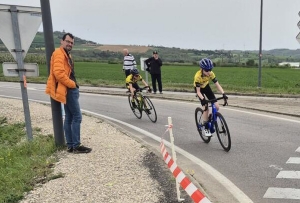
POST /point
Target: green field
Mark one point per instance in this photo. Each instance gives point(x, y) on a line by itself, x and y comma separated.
point(180, 78)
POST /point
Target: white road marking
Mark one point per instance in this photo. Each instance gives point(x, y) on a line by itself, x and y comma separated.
point(293, 160)
point(298, 149)
point(282, 193)
point(276, 167)
point(289, 174)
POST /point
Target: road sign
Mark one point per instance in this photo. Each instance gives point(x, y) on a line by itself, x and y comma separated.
point(143, 64)
point(11, 69)
point(298, 37)
point(29, 19)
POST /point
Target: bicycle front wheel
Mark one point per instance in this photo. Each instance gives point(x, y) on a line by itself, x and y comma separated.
point(136, 111)
point(199, 122)
point(223, 132)
point(149, 109)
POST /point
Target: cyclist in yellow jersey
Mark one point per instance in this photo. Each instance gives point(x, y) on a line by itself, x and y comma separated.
point(132, 85)
point(202, 88)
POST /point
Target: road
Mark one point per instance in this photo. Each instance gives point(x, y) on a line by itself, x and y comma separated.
point(264, 145)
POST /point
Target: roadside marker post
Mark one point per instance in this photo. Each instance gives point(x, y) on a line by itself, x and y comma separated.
point(180, 177)
point(174, 156)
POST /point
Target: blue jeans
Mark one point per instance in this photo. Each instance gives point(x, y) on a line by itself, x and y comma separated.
point(73, 118)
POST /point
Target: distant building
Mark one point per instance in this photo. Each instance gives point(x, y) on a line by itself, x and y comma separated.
point(291, 64)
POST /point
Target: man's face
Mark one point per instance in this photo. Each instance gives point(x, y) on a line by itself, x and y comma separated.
point(155, 56)
point(67, 43)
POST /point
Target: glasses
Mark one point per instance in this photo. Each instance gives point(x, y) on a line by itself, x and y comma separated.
point(207, 70)
point(69, 42)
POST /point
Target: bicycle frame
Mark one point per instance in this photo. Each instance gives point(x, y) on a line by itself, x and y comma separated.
point(213, 118)
point(143, 103)
point(215, 124)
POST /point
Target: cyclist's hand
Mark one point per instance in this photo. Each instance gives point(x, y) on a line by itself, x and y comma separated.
point(149, 89)
point(203, 101)
point(225, 96)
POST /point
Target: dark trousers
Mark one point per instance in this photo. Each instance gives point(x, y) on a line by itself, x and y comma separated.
point(127, 72)
point(156, 77)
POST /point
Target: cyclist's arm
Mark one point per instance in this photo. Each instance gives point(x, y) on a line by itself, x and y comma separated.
point(219, 87)
point(131, 89)
point(144, 82)
point(199, 93)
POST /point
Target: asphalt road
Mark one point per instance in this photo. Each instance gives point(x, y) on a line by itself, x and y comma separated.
point(263, 145)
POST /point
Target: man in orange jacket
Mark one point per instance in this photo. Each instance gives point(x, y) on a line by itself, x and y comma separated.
point(62, 87)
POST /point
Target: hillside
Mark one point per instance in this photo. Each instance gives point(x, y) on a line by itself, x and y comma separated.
point(87, 50)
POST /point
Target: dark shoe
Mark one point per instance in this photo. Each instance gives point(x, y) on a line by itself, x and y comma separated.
point(70, 150)
point(147, 111)
point(82, 149)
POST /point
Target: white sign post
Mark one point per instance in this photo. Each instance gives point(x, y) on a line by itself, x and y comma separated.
point(18, 27)
point(143, 67)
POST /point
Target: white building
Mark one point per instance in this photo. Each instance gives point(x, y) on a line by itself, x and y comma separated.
point(291, 64)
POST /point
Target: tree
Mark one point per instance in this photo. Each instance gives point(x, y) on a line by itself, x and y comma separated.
point(250, 62)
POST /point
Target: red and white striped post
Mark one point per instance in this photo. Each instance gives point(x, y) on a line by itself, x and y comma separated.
point(180, 177)
point(174, 156)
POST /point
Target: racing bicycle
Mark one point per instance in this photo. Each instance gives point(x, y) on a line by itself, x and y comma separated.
point(143, 103)
point(216, 123)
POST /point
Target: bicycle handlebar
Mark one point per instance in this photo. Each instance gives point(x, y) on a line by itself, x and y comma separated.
point(143, 88)
point(219, 98)
point(214, 100)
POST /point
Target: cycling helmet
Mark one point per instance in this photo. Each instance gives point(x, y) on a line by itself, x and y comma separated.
point(134, 71)
point(206, 64)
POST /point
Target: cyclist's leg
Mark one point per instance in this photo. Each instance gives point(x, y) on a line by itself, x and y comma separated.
point(205, 113)
point(135, 86)
point(210, 95)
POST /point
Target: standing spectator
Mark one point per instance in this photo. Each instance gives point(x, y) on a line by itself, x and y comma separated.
point(154, 64)
point(129, 62)
point(62, 87)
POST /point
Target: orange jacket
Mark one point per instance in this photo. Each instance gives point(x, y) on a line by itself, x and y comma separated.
point(59, 77)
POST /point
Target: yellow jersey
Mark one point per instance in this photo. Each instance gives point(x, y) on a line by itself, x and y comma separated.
point(200, 80)
point(132, 80)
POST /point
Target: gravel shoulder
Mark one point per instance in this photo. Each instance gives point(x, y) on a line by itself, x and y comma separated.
point(119, 169)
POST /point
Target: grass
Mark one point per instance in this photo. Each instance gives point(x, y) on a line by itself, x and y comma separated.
point(180, 78)
point(23, 164)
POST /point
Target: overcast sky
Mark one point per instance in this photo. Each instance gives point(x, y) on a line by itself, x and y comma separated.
point(195, 24)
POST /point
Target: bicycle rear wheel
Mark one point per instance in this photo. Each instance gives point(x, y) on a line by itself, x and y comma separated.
point(223, 132)
point(149, 109)
point(136, 111)
point(199, 122)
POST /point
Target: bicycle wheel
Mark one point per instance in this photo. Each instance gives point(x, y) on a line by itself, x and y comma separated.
point(136, 111)
point(149, 109)
point(199, 122)
point(223, 132)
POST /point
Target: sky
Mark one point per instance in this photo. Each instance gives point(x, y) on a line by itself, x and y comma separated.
point(188, 24)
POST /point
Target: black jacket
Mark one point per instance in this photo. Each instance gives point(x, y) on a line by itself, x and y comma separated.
point(154, 65)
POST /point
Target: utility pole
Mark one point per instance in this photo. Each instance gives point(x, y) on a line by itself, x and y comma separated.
point(49, 45)
point(260, 45)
